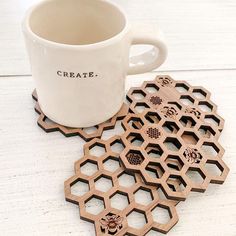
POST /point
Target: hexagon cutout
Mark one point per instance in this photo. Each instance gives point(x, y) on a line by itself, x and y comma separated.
point(94, 205)
point(97, 149)
point(190, 137)
point(126, 180)
point(136, 219)
point(143, 196)
point(138, 94)
point(187, 100)
point(89, 168)
point(174, 162)
point(80, 187)
point(154, 170)
point(210, 149)
point(103, 183)
point(140, 107)
point(172, 144)
point(170, 127)
point(181, 87)
point(154, 150)
point(117, 146)
point(199, 93)
point(205, 106)
point(135, 139)
point(119, 200)
point(176, 183)
point(187, 121)
point(195, 175)
point(161, 214)
point(111, 164)
point(135, 122)
point(152, 117)
point(151, 87)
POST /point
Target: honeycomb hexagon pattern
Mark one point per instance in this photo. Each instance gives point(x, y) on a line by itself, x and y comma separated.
point(122, 204)
point(171, 155)
point(193, 102)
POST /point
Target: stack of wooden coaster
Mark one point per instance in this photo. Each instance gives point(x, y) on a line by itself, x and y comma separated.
point(169, 148)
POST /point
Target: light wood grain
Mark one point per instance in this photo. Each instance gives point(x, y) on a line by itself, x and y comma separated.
point(34, 165)
point(200, 34)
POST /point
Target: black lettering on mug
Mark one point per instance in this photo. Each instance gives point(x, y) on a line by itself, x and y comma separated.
point(78, 75)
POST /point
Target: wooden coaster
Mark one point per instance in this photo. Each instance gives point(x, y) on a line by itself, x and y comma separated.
point(162, 149)
point(193, 102)
point(116, 200)
point(85, 133)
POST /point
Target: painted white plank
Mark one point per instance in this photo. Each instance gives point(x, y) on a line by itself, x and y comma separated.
point(34, 165)
point(200, 34)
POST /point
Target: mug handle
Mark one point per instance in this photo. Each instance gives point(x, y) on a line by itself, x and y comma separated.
point(151, 59)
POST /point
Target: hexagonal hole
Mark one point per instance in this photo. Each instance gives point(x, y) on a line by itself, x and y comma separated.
point(151, 88)
point(80, 187)
point(135, 123)
point(187, 121)
point(161, 214)
point(174, 162)
point(109, 133)
point(143, 196)
point(206, 131)
point(126, 180)
point(154, 150)
point(138, 94)
point(89, 168)
point(210, 149)
point(195, 175)
point(140, 107)
point(90, 130)
point(205, 106)
point(135, 139)
point(103, 183)
point(176, 104)
point(199, 93)
point(152, 117)
point(190, 137)
point(187, 100)
point(172, 144)
point(176, 183)
point(214, 168)
point(119, 200)
point(94, 205)
point(211, 119)
point(154, 170)
point(161, 194)
point(135, 157)
point(97, 149)
point(117, 146)
point(170, 127)
point(136, 219)
point(181, 87)
point(111, 164)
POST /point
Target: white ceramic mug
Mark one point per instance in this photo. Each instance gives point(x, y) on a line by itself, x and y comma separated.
point(79, 54)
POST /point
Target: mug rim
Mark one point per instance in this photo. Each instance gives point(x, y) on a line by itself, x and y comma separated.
point(28, 31)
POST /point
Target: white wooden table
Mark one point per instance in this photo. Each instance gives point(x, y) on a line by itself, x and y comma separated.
point(201, 36)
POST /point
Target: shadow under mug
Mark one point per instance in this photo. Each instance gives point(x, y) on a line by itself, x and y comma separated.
point(79, 56)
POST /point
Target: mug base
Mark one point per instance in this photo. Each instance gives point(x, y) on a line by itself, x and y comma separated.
point(81, 125)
